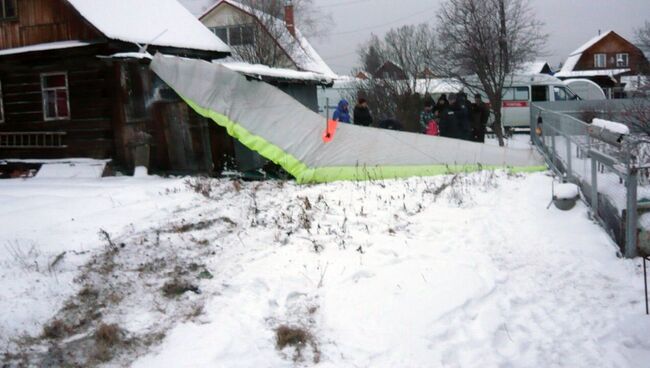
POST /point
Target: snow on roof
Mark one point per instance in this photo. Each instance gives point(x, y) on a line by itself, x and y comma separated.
point(44, 46)
point(590, 43)
point(257, 70)
point(439, 85)
point(533, 67)
point(131, 55)
point(569, 65)
point(591, 73)
point(303, 54)
point(155, 22)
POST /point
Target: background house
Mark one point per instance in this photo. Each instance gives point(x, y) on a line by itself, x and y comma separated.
point(266, 42)
point(608, 60)
point(75, 82)
point(390, 70)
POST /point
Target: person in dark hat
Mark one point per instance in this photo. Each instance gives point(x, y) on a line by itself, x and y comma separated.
point(362, 115)
point(480, 116)
point(446, 118)
point(463, 113)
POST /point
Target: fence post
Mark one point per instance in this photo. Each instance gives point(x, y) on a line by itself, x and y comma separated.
point(631, 220)
point(594, 186)
point(569, 170)
point(553, 149)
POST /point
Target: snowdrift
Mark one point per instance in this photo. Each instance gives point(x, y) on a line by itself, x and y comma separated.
point(279, 128)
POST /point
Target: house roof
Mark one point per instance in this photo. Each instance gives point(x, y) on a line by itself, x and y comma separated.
point(156, 22)
point(303, 54)
point(265, 72)
point(576, 55)
point(590, 43)
point(592, 73)
point(533, 67)
point(568, 71)
point(44, 47)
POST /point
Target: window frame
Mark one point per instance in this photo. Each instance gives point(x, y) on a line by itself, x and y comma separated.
point(627, 59)
point(598, 65)
point(510, 93)
point(44, 90)
point(536, 88)
point(3, 10)
point(240, 30)
point(2, 106)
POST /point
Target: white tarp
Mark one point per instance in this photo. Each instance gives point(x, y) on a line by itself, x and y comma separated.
point(271, 122)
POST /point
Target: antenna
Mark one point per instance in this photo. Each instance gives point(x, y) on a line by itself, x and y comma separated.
point(143, 49)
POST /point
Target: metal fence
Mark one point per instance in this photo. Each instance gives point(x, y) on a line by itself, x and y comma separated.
point(608, 167)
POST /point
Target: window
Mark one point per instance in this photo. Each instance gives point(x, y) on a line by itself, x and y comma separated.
point(622, 60)
point(564, 94)
point(235, 35)
point(2, 110)
point(600, 61)
point(8, 9)
point(56, 105)
point(516, 94)
point(540, 93)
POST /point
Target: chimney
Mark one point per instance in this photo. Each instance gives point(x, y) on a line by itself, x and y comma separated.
point(289, 18)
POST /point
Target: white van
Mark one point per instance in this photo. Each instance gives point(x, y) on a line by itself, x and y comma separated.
point(523, 90)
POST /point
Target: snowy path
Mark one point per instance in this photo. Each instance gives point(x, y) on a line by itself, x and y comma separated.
point(496, 281)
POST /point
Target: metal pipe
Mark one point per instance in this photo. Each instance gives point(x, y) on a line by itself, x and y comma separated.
point(594, 187)
point(631, 219)
point(645, 283)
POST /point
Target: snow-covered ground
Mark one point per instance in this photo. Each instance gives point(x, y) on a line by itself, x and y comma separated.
point(463, 271)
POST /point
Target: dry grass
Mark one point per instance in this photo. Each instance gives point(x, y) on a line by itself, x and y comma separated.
point(107, 337)
point(56, 329)
point(175, 288)
point(297, 338)
point(291, 336)
point(108, 334)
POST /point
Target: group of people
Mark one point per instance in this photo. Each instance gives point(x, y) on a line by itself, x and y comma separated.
point(362, 115)
point(455, 117)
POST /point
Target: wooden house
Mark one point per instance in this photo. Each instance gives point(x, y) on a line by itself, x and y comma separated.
point(607, 59)
point(75, 82)
point(390, 70)
point(259, 38)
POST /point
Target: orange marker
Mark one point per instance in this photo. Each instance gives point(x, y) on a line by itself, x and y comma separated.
point(328, 136)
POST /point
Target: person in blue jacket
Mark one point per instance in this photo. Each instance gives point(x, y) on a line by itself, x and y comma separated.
point(342, 113)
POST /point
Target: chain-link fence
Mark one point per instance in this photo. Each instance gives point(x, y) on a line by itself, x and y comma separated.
point(608, 166)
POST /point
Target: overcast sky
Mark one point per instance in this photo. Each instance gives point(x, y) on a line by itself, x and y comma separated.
point(569, 23)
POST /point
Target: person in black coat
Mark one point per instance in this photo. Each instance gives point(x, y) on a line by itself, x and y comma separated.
point(463, 112)
point(446, 119)
point(480, 116)
point(362, 114)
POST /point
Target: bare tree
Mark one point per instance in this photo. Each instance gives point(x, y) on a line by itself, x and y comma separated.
point(371, 55)
point(643, 81)
point(412, 48)
point(643, 34)
point(483, 41)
